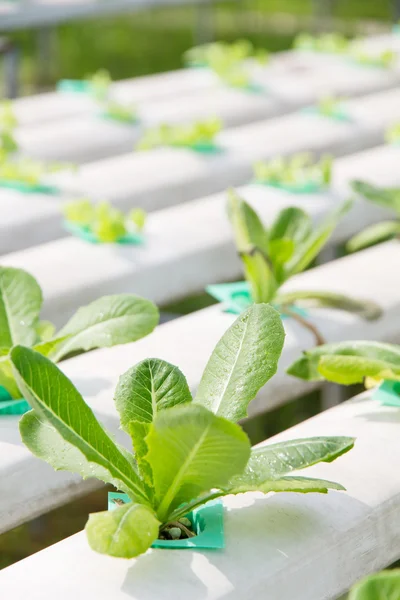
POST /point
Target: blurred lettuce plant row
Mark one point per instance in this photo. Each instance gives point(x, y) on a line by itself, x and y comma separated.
point(155, 40)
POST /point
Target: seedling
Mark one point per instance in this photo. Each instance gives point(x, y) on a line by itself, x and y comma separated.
point(186, 451)
point(348, 363)
point(18, 171)
point(272, 256)
point(379, 232)
point(8, 123)
point(104, 223)
point(99, 85)
point(332, 108)
point(8, 120)
point(230, 62)
point(236, 52)
point(301, 173)
point(331, 43)
point(108, 321)
point(393, 134)
point(378, 586)
point(383, 60)
point(120, 112)
point(198, 136)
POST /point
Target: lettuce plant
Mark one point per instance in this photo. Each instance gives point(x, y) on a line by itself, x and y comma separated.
point(298, 173)
point(196, 135)
point(332, 43)
point(348, 363)
point(105, 222)
point(393, 134)
point(8, 123)
point(8, 120)
point(236, 52)
point(379, 586)
point(228, 61)
point(99, 84)
point(119, 112)
point(187, 450)
point(272, 256)
point(331, 107)
point(28, 172)
point(108, 321)
point(14, 168)
point(384, 59)
point(378, 232)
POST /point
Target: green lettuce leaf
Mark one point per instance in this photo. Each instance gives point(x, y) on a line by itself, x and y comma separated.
point(363, 308)
point(108, 321)
point(20, 304)
point(125, 532)
point(54, 398)
point(303, 485)
point(191, 451)
point(45, 442)
point(273, 461)
point(147, 388)
point(252, 245)
point(375, 234)
point(244, 359)
point(309, 249)
point(386, 197)
point(348, 362)
point(379, 586)
point(142, 392)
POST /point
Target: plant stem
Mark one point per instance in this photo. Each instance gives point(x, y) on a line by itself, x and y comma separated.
point(184, 510)
point(181, 526)
point(319, 340)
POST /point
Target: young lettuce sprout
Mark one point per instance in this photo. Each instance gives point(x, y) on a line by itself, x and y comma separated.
point(108, 321)
point(19, 169)
point(271, 256)
point(393, 134)
point(332, 43)
point(384, 59)
point(378, 586)
point(215, 53)
point(379, 232)
point(107, 223)
point(330, 107)
point(8, 120)
point(196, 135)
point(228, 61)
point(8, 124)
point(120, 112)
point(300, 172)
point(187, 450)
point(99, 85)
point(348, 363)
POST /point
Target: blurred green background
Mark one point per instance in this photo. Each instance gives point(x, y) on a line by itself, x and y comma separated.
point(154, 40)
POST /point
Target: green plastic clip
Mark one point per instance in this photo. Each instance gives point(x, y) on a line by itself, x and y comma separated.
point(207, 522)
point(388, 393)
point(339, 114)
point(27, 188)
point(77, 86)
point(84, 233)
point(236, 298)
point(133, 120)
point(8, 406)
point(201, 147)
point(308, 187)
